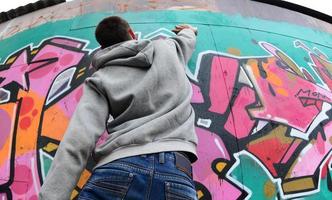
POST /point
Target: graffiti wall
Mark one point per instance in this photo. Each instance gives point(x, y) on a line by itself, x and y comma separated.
point(262, 99)
point(275, 113)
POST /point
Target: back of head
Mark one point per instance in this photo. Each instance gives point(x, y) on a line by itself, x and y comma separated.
point(112, 30)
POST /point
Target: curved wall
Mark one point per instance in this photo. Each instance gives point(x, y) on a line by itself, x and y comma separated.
point(262, 94)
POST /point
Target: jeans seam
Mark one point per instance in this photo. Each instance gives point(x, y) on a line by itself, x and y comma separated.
point(121, 192)
point(132, 167)
point(175, 177)
point(109, 178)
point(150, 178)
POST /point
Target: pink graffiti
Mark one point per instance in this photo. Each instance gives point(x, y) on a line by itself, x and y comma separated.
point(239, 114)
point(320, 67)
point(17, 70)
point(223, 76)
point(313, 154)
point(290, 152)
point(294, 87)
point(257, 106)
point(36, 73)
point(26, 180)
point(219, 188)
point(197, 94)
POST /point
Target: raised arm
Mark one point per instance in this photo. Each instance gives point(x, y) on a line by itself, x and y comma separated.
point(85, 128)
point(185, 40)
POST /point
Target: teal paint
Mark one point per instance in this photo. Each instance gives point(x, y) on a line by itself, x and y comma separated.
point(46, 163)
point(253, 178)
point(218, 33)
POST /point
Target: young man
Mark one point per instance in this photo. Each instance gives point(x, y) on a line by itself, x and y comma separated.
point(152, 142)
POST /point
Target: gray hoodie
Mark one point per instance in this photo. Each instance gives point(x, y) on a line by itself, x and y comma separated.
point(143, 86)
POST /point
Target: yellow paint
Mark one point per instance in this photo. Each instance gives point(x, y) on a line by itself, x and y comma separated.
point(50, 147)
point(269, 189)
point(199, 194)
point(81, 70)
point(79, 75)
point(290, 64)
point(278, 132)
point(234, 51)
point(84, 178)
point(220, 166)
point(282, 92)
point(326, 64)
point(73, 194)
point(11, 60)
point(34, 52)
point(298, 185)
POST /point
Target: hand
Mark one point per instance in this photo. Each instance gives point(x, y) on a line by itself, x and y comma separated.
point(180, 27)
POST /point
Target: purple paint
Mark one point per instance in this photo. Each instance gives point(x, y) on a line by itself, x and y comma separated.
point(5, 127)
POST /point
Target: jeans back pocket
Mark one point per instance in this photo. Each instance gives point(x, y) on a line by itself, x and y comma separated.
point(107, 184)
point(179, 191)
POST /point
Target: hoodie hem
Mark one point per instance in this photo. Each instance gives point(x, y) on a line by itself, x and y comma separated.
point(154, 147)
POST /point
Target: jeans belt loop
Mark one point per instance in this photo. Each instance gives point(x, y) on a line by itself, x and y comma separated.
point(162, 157)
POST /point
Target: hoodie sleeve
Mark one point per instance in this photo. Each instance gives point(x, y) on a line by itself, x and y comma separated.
point(185, 41)
point(85, 128)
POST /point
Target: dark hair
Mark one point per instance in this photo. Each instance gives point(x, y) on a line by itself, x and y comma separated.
point(112, 30)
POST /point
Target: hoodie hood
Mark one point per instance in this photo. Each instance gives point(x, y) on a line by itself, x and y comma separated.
point(131, 53)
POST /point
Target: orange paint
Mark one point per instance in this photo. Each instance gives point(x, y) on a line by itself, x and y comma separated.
point(6, 149)
point(55, 123)
point(254, 66)
point(26, 135)
point(28, 123)
point(282, 92)
point(83, 179)
point(271, 77)
point(4, 152)
point(234, 51)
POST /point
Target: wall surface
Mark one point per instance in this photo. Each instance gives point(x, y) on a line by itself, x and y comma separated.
point(262, 93)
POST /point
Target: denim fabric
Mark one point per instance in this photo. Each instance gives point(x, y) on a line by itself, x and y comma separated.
point(145, 177)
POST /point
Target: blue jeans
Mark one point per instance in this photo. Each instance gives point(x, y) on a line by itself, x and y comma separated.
point(144, 177)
